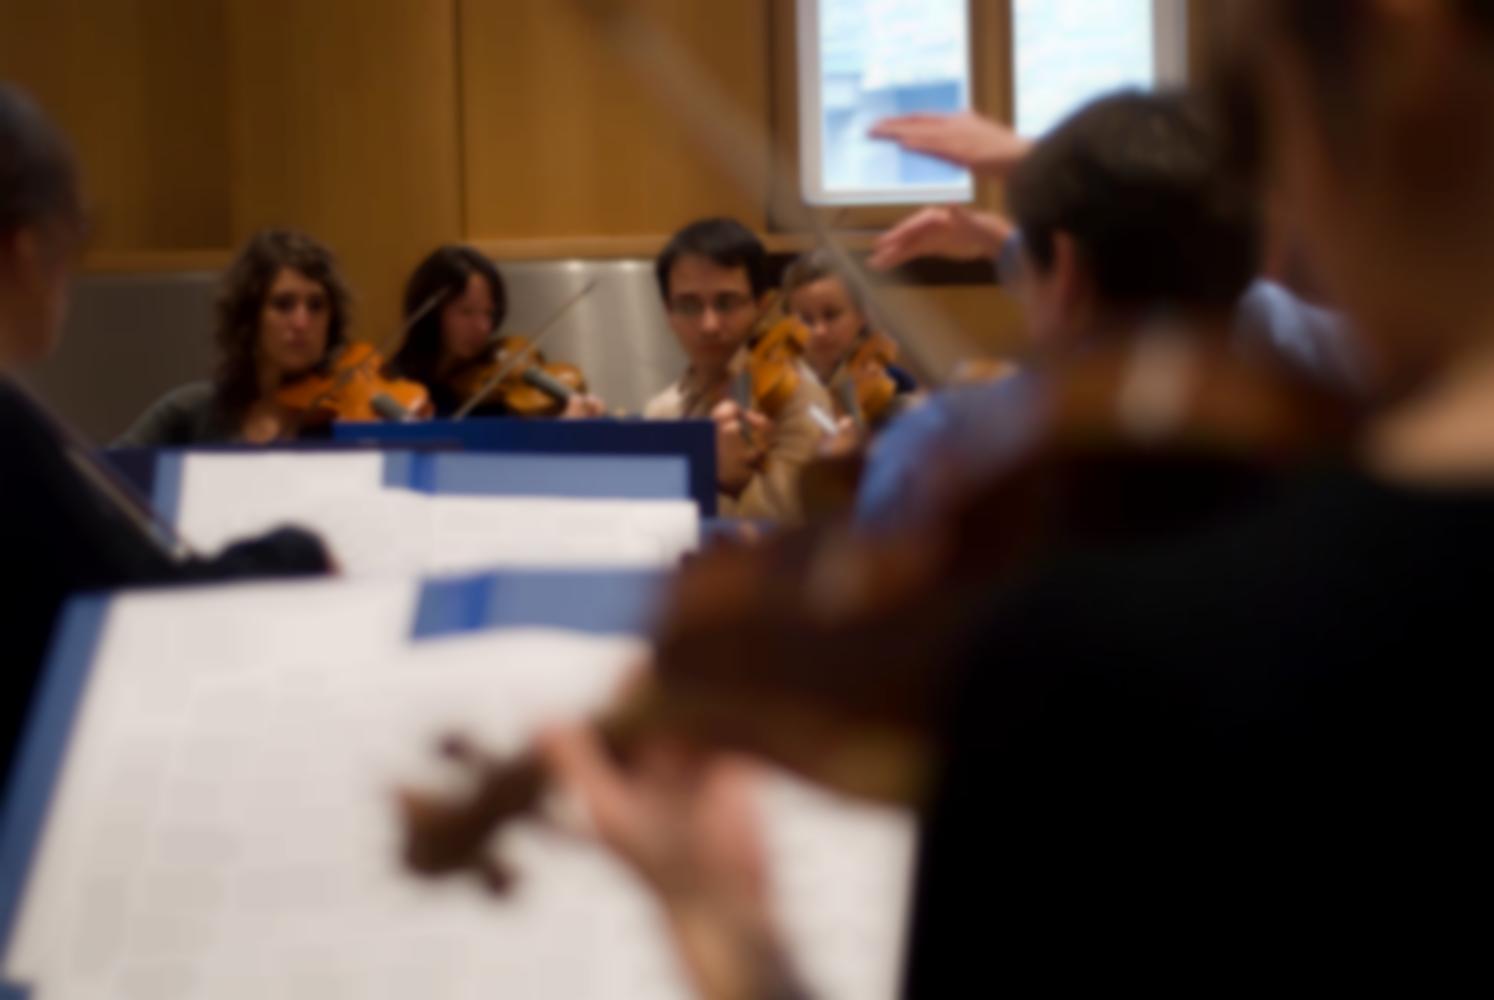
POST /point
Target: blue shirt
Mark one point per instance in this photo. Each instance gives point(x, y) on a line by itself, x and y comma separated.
point(968, 433)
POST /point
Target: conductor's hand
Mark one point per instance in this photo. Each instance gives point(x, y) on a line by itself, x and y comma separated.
point(950, 232)
point(964, 138)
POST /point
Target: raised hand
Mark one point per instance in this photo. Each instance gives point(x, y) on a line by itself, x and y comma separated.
point(964, 138)
point(949, 232)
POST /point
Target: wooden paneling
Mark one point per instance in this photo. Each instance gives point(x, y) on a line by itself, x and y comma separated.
point(977, 321)
point(385, 127)
point(344, 123)
point(561, 139)
point(141, 88)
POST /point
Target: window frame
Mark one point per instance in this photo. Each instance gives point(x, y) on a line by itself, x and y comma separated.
point(1186, 31)
point(1171, 51)
point(811, 113)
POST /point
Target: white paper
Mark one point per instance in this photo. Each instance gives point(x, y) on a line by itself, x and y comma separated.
point(226, 496)
point(224, 824)
point(374, 530)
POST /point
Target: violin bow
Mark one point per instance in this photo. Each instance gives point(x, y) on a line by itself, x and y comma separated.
point(112, 488)
point(550, 326)
point(747, 153)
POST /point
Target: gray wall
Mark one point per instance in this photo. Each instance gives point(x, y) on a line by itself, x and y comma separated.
point(131, 338)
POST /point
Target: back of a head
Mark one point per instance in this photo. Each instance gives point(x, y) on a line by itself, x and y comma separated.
point(725, 242)
point(38, 178)
point(1441, 152)
point(1144, 186)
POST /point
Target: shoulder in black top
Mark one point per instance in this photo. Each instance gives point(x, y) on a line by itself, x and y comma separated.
point(187, 415)
point(1255, 755)
point(59, 536)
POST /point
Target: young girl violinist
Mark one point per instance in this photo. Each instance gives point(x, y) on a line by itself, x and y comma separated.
point(282, 315)
point(454, 303)
point(853, 361)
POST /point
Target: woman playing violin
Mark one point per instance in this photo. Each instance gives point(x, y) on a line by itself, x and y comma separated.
point(282, 315)
point(456, 302)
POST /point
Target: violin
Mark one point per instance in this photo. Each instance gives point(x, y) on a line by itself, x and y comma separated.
point(353, 388)
point(769, 378)
point(831, 653)
point(861, 383)
point(517, 377)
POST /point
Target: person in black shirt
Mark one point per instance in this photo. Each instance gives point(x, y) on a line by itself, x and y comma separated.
point(1249, 756)
point(64, 528)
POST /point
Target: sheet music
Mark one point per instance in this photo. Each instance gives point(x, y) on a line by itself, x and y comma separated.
point(373, 530)
point(542, 532)
point(224, 497)
point(224, 827)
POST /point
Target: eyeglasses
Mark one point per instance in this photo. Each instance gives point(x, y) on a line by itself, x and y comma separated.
point(694, 307)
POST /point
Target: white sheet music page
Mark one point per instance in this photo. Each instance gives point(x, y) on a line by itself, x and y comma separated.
point(225, 496)
point(224, 826)
point(374, 530)
point(559, 533)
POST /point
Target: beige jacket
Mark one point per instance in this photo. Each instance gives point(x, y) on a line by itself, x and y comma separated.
point(773, 494)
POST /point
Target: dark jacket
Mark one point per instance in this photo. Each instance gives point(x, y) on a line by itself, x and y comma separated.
point(63, 535)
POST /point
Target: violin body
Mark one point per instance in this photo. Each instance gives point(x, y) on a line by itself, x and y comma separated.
point(354, 388)
point(772, 366)
point(532, 387)
point(865, 388)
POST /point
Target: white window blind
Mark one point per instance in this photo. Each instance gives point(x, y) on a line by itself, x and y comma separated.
point(863, 60)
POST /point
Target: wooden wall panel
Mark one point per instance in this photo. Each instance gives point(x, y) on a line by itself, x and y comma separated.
point(344, 123)
point(562, 141)
point(141, 88)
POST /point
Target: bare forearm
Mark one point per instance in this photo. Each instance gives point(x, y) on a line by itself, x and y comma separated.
point(733, 956)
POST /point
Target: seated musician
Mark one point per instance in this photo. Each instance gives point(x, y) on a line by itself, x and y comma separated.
point(1122, 217)
point(60, 532)
point(282, 312)
point(464, 302)
point(838, 324)
point(713, 277)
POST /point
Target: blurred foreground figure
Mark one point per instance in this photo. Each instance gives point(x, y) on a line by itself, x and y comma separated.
point(1242, 755)
point(64, 528)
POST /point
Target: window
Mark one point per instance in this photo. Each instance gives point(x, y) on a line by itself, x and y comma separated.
point(1070, 51)
point(860, 61)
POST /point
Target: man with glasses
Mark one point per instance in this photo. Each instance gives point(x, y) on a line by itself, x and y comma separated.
point(714, 281)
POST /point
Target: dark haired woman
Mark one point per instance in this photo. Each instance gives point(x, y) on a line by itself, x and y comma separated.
point(455, 302)
point(282, 313)
point(62, 533)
